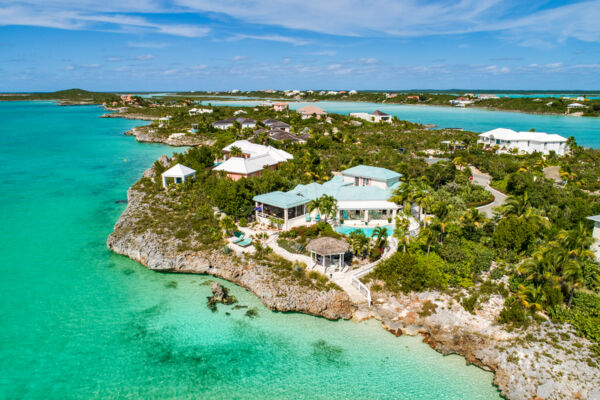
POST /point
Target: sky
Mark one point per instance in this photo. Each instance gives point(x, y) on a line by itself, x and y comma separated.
point(167, 45)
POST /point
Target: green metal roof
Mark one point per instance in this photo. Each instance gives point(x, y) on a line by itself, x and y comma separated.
point(281, 199)
point(595, 218)
point(376, 173)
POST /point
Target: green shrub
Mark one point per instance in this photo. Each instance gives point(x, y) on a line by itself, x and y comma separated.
point(405, 272)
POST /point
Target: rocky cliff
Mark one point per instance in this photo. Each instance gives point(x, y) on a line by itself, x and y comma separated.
point(159, 252)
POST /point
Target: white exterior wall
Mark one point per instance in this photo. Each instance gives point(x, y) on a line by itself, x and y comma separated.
point(527, 146)
point(596, 231)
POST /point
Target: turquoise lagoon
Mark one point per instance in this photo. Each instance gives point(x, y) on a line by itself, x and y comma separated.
point(78, 322)
point(586, 130)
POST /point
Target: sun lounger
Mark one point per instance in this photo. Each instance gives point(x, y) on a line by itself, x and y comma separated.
point(317, 218)
point(307, 217)
point(245, 243)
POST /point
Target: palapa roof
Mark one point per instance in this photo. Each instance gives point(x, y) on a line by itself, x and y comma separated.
point(327, 246)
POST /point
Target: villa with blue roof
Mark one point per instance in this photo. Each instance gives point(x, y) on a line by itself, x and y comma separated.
point(362, 195)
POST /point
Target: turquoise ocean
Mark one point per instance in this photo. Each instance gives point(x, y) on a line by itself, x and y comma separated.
point(586, 130)
point(78, 322)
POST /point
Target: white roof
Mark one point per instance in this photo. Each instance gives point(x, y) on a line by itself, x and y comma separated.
point(245, 166)
point(367, 205)
point(254, 150)
point(178, 171)
point(509, 134)
point(577, 105)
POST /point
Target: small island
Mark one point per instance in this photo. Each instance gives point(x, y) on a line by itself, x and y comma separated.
point(484, 248)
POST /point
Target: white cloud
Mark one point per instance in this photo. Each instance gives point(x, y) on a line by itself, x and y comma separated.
point(239, 58)
point(145, 57)
point(271, 38)
point(80, 16)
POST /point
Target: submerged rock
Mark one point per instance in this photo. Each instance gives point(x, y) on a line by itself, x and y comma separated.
point(220, 294)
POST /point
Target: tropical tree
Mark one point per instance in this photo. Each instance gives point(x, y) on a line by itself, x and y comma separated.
point(314, 205)
point(427, 235)
point(235, 152)
point(441, 211)
point(359, 242)
point(380, 234)
point(402, 231)
point(577, 242)
point(328, 206)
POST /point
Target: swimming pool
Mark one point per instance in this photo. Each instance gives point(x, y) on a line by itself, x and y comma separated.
point(368, 230)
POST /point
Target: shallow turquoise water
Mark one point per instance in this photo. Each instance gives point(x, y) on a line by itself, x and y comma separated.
point(78, 322)
point(346, 230)
point(586, 130)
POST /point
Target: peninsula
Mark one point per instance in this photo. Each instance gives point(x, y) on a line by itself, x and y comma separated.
point(485, 249)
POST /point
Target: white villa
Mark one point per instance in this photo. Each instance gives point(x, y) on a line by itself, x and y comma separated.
point(376, 116)
point(524, 142)
point(362, 195)
point(228, 123)
point(196, 111)
point(254, 158)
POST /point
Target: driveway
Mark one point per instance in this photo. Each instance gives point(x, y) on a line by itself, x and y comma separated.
point(483, 179)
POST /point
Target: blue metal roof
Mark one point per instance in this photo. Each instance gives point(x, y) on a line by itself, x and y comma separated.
point(336, 187)
point(595, 218)
point(376, 173)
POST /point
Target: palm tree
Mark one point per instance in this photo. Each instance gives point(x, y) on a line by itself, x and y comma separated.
point(314, 205)
point(428, 236)
point(531, 297)
point(516, 205)
point(578, 242)
point(573, 277)
point(328, 206)
point(402, 231)
point(441, 211)
point(381, 234)
point(359, 242)
point(473, 217)
point(235, 152)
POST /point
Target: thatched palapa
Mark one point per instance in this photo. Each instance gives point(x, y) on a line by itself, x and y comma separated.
point(327, 246)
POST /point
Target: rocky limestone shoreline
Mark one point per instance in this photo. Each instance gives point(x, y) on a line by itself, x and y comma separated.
point(527, 365)
point(159, 253)
point(147, 134)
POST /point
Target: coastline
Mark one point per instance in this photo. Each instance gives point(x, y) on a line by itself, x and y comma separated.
point(519, 370)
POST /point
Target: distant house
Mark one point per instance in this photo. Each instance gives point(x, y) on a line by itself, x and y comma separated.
point(252, 160)
point(352, 92)
point(524, 142)
point(281, 135)
point(275, 124)
point(228, 123)
point(412, 98)
point(311, 111)
point(577, 105)
point(280, 106)
point(239, 112)
point(484, 96)
point(376, 116)
point(196, 111)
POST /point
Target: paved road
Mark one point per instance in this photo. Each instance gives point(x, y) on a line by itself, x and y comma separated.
point(484, 179)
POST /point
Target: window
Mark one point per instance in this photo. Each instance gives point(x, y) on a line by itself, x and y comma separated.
point(272, 211)
point(366, 181)
point(356, 181)
point(295, 211)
